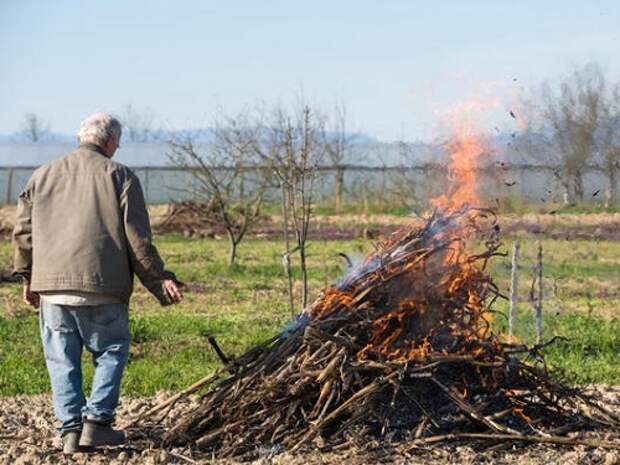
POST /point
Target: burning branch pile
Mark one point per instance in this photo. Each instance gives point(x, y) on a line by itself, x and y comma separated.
point(401, 349)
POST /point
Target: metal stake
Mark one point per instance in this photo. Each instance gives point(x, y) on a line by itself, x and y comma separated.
point(539, 297)
point(514, 284)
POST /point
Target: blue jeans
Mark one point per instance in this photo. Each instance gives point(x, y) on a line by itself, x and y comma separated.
point(65, 330)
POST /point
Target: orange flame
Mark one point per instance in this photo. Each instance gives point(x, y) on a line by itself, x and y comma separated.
point(437, 298)
point(465, 148)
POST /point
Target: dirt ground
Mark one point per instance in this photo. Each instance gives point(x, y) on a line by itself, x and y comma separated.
point(28, 437)
point(603, 226)
point(600, 226)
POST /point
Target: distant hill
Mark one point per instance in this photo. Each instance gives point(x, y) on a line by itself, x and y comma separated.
point(518, 148)
point(152, 150)
point(51, 137)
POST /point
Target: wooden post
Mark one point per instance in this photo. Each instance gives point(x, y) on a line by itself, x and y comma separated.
point(146, 184)
point(514, 284)
point(9, 187)
point(339, 188)
point(539, 297)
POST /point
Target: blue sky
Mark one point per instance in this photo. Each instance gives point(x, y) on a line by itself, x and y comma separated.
point(398, 65)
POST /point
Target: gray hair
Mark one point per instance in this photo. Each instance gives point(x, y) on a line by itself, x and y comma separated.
point(98, 128)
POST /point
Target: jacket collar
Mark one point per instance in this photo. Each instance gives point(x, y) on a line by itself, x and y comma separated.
point(94, 148)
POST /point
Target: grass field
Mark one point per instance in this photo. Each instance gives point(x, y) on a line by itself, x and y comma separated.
point(246, 304)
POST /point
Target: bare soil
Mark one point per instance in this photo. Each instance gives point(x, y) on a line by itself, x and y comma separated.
point(28, 437)
point(600, 226)
point(181, 219)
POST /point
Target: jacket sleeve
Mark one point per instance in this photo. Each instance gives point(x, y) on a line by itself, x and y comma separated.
point(144, 258)
point(22, 235)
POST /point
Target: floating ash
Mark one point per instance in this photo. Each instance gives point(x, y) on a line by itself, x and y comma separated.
point(400, 351)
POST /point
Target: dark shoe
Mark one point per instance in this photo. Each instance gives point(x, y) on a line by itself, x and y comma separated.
point(100, 434)
point(71, 442)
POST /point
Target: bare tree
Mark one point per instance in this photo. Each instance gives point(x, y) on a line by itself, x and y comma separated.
point(570, 115)
point(608, 142)
point(339, 146)
point(294, 147)
point(402, 187)
point(220, 170)
point(34, 128)
point(137, 124)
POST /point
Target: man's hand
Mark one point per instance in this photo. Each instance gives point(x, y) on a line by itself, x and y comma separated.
point(31, 298)
point(172, 289)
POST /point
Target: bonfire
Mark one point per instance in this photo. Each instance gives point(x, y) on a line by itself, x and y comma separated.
point(401, 350)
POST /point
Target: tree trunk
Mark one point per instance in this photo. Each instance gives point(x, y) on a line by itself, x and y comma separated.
point(565, 197)
point(287, 252)
point(610, 191)
point(365, 202)
point(339, 188)
point(304, 275)
point(563, 179)
point(383, 190)
point(232, 253)
point(568, 197)
point(579, 189)
point(242, 186)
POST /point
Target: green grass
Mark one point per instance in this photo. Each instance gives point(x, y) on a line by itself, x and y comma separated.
point(169, 350)
point(579, 275)
point(590, 352)
point(242, 306)
point(246, 304)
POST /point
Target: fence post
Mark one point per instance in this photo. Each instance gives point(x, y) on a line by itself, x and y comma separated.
point(539, 297)
point(514, 284)
point(339, 188)
point(9, 187)
point(146, 184)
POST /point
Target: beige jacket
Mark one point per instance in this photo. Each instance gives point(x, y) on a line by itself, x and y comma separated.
point(82, 225)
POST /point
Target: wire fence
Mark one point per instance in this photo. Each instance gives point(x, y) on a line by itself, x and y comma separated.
point(405, 184)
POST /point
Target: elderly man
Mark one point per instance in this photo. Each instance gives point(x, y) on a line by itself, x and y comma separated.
point(82, 231)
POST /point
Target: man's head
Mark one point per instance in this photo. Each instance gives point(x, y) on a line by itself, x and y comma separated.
point(102, 130)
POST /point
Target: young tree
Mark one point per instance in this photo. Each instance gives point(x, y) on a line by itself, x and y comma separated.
point(293, 147)
point(220, 170)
